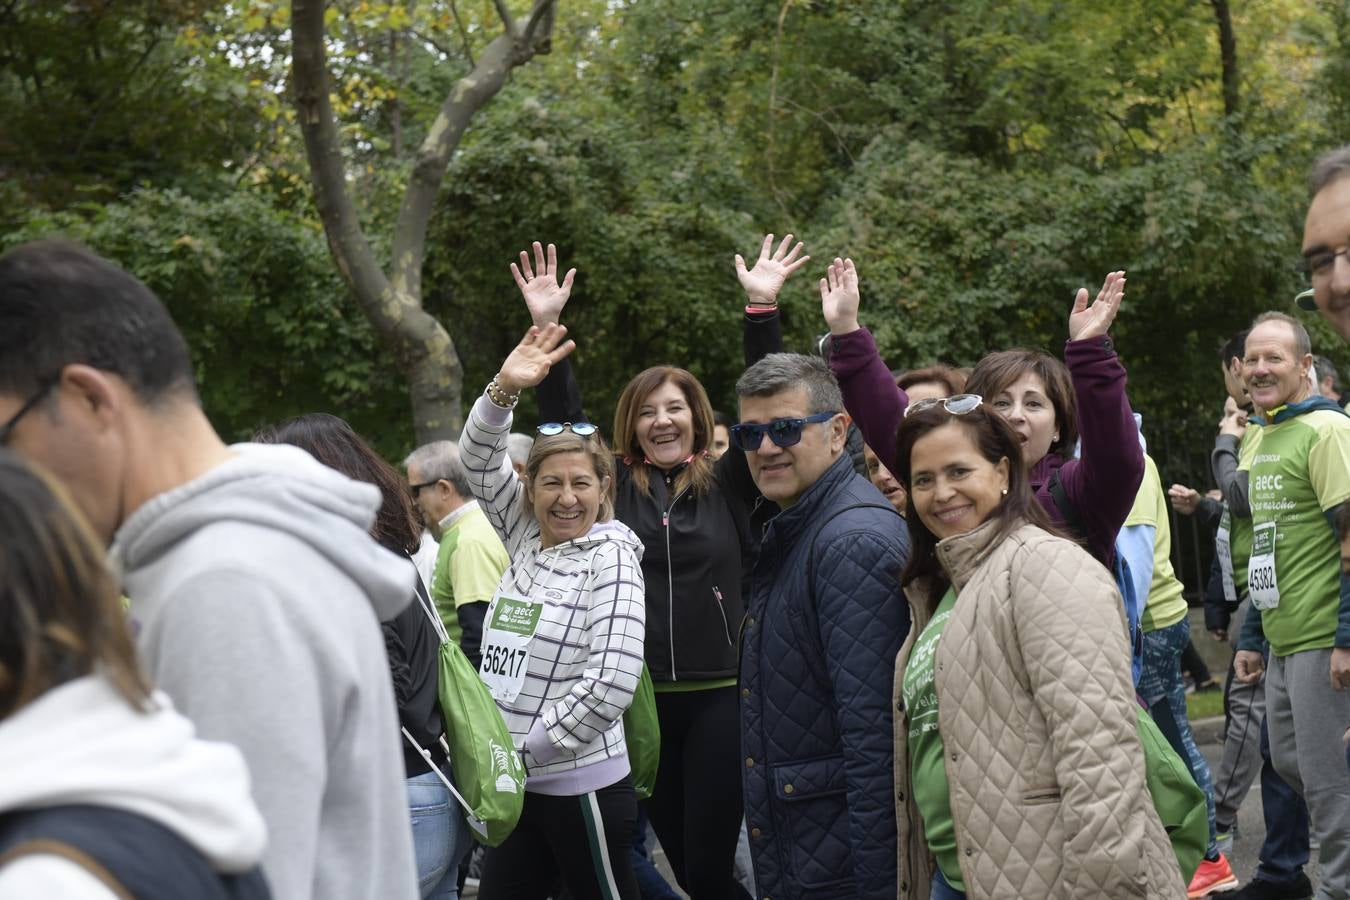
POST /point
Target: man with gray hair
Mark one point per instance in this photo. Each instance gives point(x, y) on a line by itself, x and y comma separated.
point(1299, 478)
point(471, 558)
point(518, 447)
point(1326, 241)
point(825, 620)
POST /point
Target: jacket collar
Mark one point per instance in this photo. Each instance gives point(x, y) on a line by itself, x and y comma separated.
point(961, 555)
point(805, 513)
point(1292, 410)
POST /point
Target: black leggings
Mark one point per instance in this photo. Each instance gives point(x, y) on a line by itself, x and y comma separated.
point(588, 839)
point(696, 804)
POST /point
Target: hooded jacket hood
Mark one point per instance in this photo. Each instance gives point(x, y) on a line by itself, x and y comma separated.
point(282, 488)
point(82, 743)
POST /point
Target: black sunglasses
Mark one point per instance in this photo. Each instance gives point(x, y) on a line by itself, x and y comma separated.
point(416, 489)
point(783, 432)
point(580, 429)
point(8, 428)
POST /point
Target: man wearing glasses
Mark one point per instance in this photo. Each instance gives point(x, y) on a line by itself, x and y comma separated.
point(471, 559)
point(1326, 241)
point(825, 620)
point(256, 590)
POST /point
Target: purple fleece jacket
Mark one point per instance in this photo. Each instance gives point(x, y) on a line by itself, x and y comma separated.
point(1101, 484)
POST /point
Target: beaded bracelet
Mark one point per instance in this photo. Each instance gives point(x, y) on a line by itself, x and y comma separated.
point(498, 395)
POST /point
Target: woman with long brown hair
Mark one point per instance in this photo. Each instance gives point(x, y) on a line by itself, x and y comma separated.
point(106, 792)
point(698, 520)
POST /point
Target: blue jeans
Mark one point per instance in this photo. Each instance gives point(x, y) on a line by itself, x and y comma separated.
point(1285, 851)
point(941, 890)
point(1164, 693)
point(440, 836)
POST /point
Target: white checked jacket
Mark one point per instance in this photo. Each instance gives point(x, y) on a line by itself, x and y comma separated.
point(586, 655)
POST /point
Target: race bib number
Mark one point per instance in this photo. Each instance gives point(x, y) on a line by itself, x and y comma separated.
point(1224, 547)
point(1261, 583)
point(506, 645)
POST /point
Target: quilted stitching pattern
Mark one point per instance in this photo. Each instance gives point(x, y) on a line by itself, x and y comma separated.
point(1037, 714)
point(815, 706)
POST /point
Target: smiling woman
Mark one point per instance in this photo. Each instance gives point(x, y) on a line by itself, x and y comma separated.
point(1014, 681)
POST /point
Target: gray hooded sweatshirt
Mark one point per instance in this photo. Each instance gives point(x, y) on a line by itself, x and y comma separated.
point(256, 597)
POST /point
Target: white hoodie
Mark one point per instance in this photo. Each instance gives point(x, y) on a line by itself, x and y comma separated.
point(82, 743)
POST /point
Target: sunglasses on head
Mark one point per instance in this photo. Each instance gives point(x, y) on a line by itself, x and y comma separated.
point(580, 429)
point(957, 406)
point(783, 432)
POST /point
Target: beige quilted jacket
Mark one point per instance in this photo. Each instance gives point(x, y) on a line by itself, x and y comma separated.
point(1038, 718)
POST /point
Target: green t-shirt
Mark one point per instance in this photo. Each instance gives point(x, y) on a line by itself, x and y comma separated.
point(1240, 529)
point(1166, 606)
point(927, 771)
point(1300, 470)
point(469, 566)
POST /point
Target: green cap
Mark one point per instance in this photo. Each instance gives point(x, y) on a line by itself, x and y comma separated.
point(1305, 300)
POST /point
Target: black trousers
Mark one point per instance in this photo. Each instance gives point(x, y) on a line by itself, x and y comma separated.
point(696, 805)
point(586, 839)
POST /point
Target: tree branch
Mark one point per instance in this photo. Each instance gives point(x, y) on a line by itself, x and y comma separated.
point(469, 95)
point(1228, 59)
point(463, 33)
point(505, 15)
point(351, 250)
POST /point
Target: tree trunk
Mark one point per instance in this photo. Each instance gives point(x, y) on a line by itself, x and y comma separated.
point(1228, 60)
point(392, 300)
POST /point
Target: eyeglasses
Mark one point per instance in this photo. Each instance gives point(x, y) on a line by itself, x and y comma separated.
point(8, 428)
point(1320, 264)
point(783, 432)
point(580, 429)
point(957, 406)
point(416, 489)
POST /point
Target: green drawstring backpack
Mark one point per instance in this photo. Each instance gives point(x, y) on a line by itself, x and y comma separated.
point(483, 758)
point(642, 734)
point(1180, 804)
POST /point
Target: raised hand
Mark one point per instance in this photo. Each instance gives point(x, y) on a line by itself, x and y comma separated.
point(772, 269)
point(1185, 500)
point(1093, 321)
point(1234, 421)
point(536, 353)
point(839, 297)
point(544, 296)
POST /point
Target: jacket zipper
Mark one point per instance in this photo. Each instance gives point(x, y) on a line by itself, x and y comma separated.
point(726, 626)
point(670, 580)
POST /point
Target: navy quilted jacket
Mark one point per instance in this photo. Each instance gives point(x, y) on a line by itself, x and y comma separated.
point(816, 694)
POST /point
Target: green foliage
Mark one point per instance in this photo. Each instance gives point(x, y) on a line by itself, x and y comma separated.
point(979, 160)
point(254, 292)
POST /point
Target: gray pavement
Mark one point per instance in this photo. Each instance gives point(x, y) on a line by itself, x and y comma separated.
point(1251, 824)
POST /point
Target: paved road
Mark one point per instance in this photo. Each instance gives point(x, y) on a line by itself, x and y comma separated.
point(1251, 827)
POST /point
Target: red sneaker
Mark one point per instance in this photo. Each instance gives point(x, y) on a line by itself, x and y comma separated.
point(1212, 878)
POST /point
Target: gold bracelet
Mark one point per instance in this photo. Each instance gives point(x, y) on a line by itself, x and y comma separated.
point(498, 395)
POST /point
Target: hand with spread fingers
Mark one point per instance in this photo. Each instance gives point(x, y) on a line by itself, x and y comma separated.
point(544, 295)
point(771, 271)
point(839, 296)
point(536, 353)
point(1086, 322)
